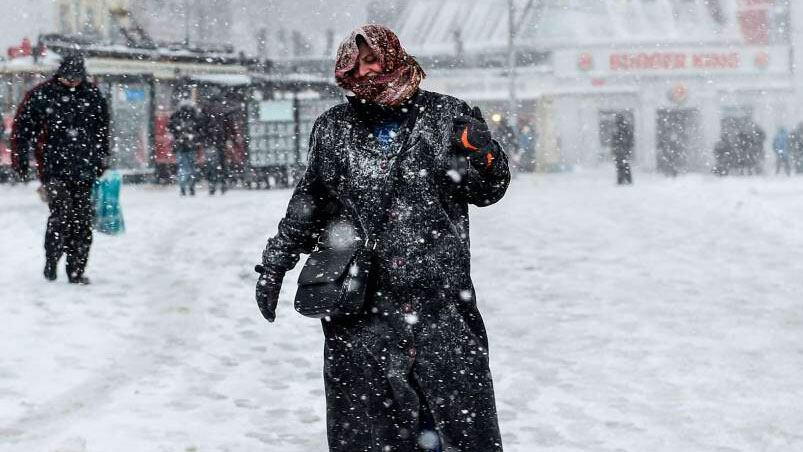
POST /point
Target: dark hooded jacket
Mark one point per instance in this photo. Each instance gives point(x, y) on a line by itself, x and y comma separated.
point(420, 346)
point(218, 121)
point(186, 127)
point(67, 129)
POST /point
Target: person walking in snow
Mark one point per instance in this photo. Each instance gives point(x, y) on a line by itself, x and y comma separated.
point(756, 139)
point(724, 151)
point(217, 126)
point(185, 126)
point(780, 144)
point(796, 148)
point(395, 168)
point(622, 148)
point(527, 142)
point(64, 122)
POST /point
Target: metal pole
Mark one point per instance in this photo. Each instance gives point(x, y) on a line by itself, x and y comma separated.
point(186, 23)
point(511, 64)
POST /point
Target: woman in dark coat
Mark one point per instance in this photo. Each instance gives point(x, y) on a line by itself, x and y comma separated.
point(622, 146)
point(411, 371)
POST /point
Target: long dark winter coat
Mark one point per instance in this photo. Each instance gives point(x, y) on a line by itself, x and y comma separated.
point(421, 333)
point(66, 128)
point(622, 140)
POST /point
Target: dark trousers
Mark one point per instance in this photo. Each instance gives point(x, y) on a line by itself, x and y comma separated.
point(623, 173)
point(186, 170)
point(69, 227)
point(216, 168)
point(782, 160)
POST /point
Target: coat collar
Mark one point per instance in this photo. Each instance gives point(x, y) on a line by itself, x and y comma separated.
point(412, 113)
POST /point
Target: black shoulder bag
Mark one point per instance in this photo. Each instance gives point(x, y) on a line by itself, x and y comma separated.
point(333, 281)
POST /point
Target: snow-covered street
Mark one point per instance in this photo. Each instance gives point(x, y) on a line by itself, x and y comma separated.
point(666, 316)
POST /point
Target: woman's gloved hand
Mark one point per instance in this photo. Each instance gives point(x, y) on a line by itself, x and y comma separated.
point(267, 291)
point(471, 135)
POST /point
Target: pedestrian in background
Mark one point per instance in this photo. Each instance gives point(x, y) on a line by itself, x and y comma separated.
point(622, 149)
point(64, 123)
point(527, 145)
point(724, 153)
point(755, 149)
point(780, 144)
point(216, 128)
point(392, 173)
point(185, 126)
point(796, 148)
point(6, 171)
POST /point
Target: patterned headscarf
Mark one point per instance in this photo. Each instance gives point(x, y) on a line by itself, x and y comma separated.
point(400, 75)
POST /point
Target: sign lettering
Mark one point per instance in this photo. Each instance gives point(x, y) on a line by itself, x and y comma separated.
point(623, 62)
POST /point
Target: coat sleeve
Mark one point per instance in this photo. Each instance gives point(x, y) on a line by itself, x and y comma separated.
point(26, 129)
point(486, 183)
point(306, 214)
point(103, 145)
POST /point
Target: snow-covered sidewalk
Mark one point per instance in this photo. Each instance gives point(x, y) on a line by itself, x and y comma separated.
point(667, 316)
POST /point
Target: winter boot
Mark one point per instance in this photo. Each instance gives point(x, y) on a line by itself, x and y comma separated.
point(50, 270)
point(78, 279)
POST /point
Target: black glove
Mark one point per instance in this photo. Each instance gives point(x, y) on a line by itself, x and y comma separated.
point(267, 291)
point(471, 135)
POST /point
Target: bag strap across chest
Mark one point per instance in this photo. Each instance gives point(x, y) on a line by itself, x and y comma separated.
point(390, 185)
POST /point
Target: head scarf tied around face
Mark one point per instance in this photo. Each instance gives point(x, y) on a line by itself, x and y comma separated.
point(400, 75)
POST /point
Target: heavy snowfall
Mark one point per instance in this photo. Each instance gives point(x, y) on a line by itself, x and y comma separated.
point(641, 282)
point(663, 316)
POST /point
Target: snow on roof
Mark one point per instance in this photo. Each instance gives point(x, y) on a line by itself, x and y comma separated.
point(58, 43)
point(224, 79)
point(298, 78)
point(428, 27)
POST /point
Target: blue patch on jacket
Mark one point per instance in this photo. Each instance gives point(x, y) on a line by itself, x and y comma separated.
point(386, 133)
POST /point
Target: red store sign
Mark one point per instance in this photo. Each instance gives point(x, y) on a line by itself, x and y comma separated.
point(668, 61)
point(673, 61)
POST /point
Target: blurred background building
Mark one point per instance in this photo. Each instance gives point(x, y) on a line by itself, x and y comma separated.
point(682, 71)
point(89, 17)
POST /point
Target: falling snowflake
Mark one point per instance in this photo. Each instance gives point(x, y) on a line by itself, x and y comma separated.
point(428, 440)
point(411, 319)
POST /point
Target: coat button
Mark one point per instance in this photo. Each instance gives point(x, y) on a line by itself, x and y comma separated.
point(393, 214)
point(407, 308)
point(411, 352)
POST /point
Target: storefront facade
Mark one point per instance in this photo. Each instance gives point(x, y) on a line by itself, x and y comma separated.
point(676, 97)
point(141, 90)
point(680, 98)
point(681, 71)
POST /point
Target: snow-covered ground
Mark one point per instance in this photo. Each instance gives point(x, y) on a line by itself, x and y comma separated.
point(667, 316)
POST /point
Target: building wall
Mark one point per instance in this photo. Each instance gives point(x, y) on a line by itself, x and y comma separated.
point(203, 21)
point(86, 16)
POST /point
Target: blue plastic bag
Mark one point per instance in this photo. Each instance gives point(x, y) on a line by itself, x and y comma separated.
point(106, 199)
